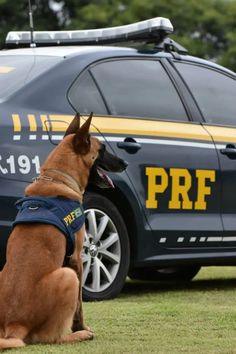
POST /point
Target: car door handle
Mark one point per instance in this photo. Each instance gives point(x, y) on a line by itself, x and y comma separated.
point(230, 151)
point(130, 145)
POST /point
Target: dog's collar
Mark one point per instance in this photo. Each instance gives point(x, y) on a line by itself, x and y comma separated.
point(68, 180)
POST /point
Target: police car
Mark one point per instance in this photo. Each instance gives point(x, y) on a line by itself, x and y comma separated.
point(170, 115)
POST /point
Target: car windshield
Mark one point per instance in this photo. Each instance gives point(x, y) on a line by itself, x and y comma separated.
point(18, 70)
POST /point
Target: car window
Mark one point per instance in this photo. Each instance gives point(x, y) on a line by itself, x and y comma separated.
point(16, 71)
point(215, 92)
point(85, 97)
point(138, 88)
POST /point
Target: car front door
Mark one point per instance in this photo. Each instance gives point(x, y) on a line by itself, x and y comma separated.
point(215, 93)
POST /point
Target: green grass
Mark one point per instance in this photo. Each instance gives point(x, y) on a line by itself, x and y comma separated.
point(198, 318)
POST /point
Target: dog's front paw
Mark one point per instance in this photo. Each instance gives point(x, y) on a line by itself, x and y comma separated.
point(78, 326)
point(84, 335)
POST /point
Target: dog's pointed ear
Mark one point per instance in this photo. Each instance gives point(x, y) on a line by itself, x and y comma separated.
point(81, 141)
point(74, 125)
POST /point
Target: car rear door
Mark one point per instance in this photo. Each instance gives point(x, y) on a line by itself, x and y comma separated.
point(173, 164)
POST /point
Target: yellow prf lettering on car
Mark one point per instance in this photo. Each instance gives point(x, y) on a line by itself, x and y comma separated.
point(154, 188)
point(180, 181)
point(179, 192)
point(203, 189)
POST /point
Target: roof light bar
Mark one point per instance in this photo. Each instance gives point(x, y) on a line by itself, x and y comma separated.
point(152, 30)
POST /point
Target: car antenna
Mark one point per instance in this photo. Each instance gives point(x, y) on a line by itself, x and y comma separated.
point(31, 25)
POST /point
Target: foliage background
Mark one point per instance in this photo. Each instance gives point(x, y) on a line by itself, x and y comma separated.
point(206, 27)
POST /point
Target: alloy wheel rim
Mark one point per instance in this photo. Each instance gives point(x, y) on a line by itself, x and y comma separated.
point(101, 252)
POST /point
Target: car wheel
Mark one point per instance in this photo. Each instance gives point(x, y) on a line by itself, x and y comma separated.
point(182, 273)
point(106, 249)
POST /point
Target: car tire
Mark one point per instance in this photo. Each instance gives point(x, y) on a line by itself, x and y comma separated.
point(179, 274)
point(106, 251)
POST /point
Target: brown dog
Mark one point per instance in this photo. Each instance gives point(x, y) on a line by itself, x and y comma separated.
point(39, 299)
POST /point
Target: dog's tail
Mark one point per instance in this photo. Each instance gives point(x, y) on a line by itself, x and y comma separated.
point(6, 343)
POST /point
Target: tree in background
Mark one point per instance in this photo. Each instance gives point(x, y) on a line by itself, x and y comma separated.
point(206, 27)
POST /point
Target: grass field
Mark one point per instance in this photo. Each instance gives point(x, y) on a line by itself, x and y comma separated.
point(199, 318)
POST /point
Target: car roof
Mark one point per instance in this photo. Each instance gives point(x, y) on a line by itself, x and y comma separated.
point(197, 60)
point(75, 50)
point(64, 51)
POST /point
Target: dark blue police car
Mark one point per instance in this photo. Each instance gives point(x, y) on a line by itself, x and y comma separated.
point(170, 115)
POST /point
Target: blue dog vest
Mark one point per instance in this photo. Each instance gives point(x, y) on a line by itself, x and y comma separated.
point(67, 215)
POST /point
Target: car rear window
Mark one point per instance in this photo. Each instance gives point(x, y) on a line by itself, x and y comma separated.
point(18, 70)
point(140, 88)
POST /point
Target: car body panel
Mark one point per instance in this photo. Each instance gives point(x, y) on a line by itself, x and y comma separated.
point(223, 137)
point(178, 186)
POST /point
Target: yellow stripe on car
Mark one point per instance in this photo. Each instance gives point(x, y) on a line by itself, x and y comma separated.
point(222, 134)
point(16, 122)
point(32, 122)
point(144, 127)
point(134, 126)
point(59, 122)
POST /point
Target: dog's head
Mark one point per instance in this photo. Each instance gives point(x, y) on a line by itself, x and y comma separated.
point(94, 154)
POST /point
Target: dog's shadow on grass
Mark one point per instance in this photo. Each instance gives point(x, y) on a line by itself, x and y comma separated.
point(133, 287)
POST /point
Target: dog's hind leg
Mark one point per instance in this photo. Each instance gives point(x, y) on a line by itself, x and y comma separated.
point(7, 343)
point(58, 294)
point(13, 336)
